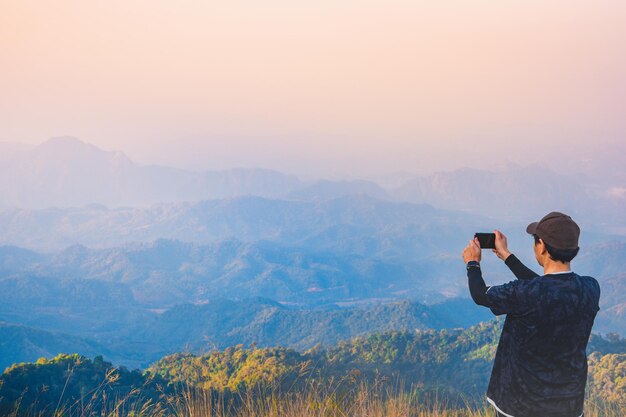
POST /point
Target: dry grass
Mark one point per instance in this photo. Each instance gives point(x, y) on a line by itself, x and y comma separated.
point(365, 401)
point(381, 399)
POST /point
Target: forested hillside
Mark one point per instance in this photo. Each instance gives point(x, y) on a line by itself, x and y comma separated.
point(455, 362)
point(127, 335)
point(454, 365)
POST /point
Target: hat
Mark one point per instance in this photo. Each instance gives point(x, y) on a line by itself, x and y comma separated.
point(557, 230)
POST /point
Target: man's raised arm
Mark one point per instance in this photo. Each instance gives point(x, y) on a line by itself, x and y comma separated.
point(472, 256)
point(478, 289)
point(516, 266)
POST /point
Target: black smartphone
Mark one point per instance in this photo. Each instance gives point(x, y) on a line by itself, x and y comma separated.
point(486, 240)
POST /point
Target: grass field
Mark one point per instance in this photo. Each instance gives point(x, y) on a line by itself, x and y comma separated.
point(377, 400)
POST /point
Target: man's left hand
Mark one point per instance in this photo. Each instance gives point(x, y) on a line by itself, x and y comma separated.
point(472, 251)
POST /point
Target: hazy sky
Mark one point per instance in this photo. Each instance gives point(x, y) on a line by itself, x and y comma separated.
point(305, 86)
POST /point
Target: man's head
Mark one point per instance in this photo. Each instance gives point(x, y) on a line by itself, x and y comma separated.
point(556, 236)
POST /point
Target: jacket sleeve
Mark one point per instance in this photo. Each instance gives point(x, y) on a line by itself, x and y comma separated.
point(508, 298)
point(476, 284)
point(520, 270)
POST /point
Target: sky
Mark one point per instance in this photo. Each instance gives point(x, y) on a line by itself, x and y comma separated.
point(346, 87)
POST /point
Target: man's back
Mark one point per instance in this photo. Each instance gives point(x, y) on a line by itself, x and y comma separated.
point(541, 364)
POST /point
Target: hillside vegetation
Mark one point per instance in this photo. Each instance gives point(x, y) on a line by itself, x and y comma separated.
point(405, 370)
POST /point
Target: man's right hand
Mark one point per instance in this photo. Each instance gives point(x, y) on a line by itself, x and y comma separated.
point(501, 250)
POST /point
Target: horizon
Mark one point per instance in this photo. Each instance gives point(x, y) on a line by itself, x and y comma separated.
point(585, 153)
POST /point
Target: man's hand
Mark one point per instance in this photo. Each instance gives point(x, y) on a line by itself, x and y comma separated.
point(472, 251)
point(501, 250)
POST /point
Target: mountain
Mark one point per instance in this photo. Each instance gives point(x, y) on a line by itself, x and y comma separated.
point(128, 335)
point(328, 190)
point(607, 262)
point(169, 272)
point(355, 217)
point(446, 359)
point(346, 265)
point(20, 343)
point(71, 385)
point(11, 150)
point(66, 172)
point(264, 322)
point(196, 297)
point(526, 188)
point(454, 363)
point(14, 259)
point(174, 292)
point(299, 251)
point(341, 249)
point(523, 193)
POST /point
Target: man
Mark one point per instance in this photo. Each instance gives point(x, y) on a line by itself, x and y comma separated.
point(540, 368)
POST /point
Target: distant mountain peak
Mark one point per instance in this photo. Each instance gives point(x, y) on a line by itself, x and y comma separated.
point(69, 145)
point(69, 149)
point(67, 142)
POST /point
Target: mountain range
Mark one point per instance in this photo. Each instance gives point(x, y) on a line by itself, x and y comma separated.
point(198, 297)
point(135, 262)
point(135, 336)
point(66, 172)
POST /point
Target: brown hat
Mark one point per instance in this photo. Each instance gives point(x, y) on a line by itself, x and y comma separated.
point(557, 230)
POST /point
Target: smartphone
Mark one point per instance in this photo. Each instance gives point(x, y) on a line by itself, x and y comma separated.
point(486, 240)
